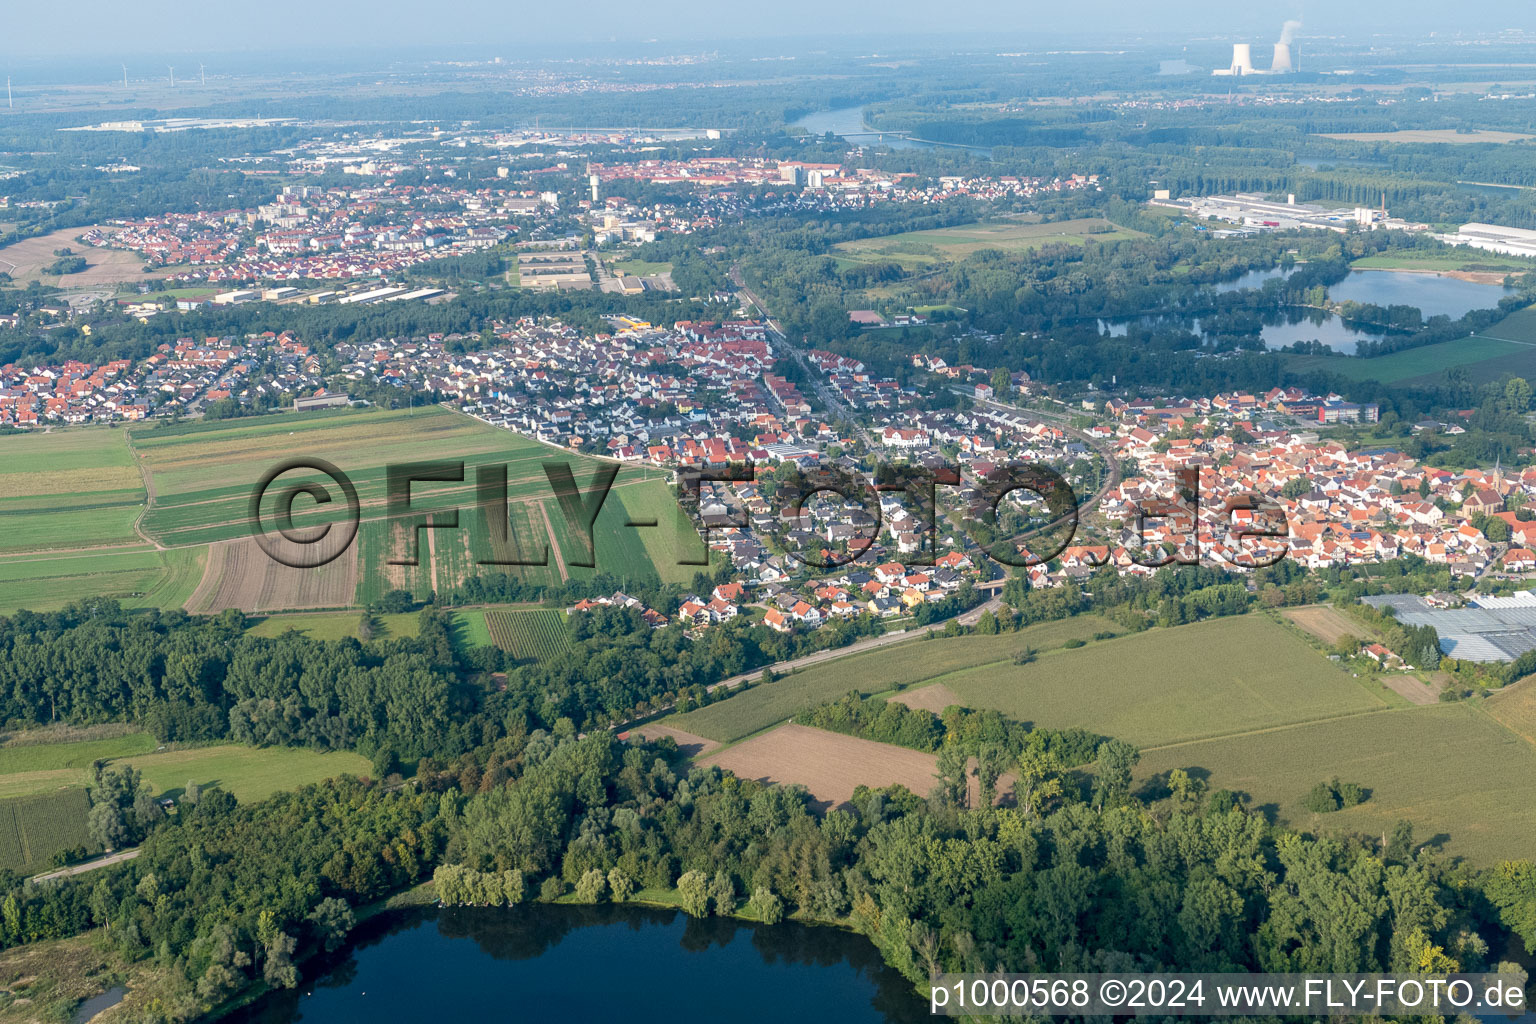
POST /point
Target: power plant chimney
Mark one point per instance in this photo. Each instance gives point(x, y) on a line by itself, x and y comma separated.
point(1242, 59)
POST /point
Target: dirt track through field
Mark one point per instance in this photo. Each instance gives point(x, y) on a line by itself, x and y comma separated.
point(554, 545)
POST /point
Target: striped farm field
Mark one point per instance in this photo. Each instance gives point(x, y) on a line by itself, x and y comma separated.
point(68, 488)
point(530, 634)
point(137, 577)
point(34, 828)
point(203, 478)
point(529, 542)
point(631, 552)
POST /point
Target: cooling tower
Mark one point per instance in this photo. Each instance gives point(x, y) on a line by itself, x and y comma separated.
point(1283, 63)
point(1242, 59)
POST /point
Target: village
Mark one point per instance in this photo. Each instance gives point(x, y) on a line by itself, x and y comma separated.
point(1267, 481)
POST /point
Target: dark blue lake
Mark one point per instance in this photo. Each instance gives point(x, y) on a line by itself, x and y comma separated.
point(637, 964)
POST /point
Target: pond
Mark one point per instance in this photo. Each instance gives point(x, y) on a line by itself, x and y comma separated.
point(638, 964)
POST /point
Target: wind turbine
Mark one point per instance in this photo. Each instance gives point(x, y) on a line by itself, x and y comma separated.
point(201, 75)
point(125, 76)
point(10, 104)
point(173, 75)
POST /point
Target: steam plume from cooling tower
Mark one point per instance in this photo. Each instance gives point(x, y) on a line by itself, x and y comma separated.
point(1288, 32)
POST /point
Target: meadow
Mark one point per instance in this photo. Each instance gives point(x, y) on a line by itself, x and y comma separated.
point(68, 488)
point(1449, 136)
point(1460, 777)
point(1214, 678)
point(914, 250)
point(250, 773)
point(900, 665)
point(1508, 347)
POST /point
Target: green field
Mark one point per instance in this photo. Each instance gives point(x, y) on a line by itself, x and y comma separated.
point(1163, 686)
point(470, 629)
point(203, 476)
point(1508, 347)
point(138, 577)
point(250, 773)
point(899, 665)
point(528, 634)
point(529, 542)
point(68, 488)
point(914, 250)
point(1461, 778)
point(34, 828)
point(72, 498)
point(641, 268)
point(1456, 259)
point(632, 552)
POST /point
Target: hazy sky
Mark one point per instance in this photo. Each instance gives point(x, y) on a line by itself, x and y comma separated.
point(33, 28)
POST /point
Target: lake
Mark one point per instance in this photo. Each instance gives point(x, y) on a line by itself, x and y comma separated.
point(639, 964)
point(1432, 294)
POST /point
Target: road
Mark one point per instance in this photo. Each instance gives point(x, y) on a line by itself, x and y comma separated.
point(817, 379)
point(1108, 453)
point(79, 869)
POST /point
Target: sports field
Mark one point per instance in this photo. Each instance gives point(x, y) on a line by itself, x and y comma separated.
point(761, 706)
point(916, 249)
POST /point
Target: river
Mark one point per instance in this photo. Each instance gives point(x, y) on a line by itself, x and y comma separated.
point(848, 124)
point(637, 964)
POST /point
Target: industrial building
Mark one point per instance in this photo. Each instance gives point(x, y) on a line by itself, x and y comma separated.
point(1260, 213)
point(1487, 629)
point(1492, 238)
point(1283, 62)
